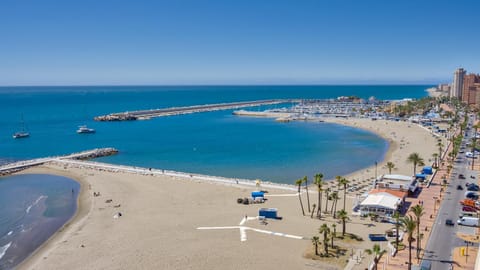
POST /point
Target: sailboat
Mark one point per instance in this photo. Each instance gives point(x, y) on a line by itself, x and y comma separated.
point(23, 133)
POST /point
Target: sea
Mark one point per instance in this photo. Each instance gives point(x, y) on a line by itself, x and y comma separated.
point(213, 143)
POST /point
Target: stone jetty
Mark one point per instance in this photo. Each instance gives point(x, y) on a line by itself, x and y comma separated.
point(24, 164)
point(147, 114)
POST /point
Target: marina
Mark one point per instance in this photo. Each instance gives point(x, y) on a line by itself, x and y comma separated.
point(148, 114)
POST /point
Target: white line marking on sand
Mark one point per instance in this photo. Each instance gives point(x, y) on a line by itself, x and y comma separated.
point(243, 230)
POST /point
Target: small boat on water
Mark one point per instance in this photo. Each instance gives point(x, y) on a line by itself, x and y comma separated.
point(20, 135)
point(23, 133)
point(85, 130)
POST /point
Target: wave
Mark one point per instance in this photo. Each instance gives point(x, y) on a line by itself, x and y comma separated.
point(3, 249)
point(35, 203)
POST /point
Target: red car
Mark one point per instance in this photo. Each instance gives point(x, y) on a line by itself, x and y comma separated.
point(468, 209)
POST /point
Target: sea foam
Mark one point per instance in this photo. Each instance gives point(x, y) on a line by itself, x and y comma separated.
point(3, 249)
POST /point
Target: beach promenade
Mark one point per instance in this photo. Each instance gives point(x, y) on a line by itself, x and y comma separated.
point(430, 197)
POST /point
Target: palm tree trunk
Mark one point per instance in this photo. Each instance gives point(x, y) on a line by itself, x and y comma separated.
point(343, 227)
point(396, 234)
point(326, 201)
point(319, 210)
point(313, 211)
point(419, 245)
point(300, 199)
point(344, 195)
point(409, 254)
point(335, 210)
point(308, 197)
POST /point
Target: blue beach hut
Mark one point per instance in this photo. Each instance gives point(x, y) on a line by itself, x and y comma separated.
point(257, 194)
point(427, 170)
point(268, 212)
point(421, 176)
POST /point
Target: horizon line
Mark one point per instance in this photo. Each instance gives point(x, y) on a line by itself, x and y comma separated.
point(226, 84)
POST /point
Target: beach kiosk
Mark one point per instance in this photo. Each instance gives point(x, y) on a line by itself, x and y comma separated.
point(268, 213)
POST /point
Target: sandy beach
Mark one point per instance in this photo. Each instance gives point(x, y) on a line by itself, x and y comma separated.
point(161, 214)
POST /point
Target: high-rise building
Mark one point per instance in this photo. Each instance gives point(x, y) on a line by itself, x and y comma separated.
point(471, 89)
point(457, 85)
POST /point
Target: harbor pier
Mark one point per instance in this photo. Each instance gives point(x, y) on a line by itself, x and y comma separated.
point(147, 114)
point(24, 164)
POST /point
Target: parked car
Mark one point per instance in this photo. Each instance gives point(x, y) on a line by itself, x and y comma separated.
point(473, 188)
point(461, 176)
point(472, 196)
point(469, 209)
point(449, 222)
point(459, 187)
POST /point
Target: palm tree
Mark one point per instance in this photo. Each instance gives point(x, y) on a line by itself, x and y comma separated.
point(305, 180)
point(390, 166)
point(440, 149)
point(378, 252)
point(409, 224)
point(319, 182)
point(334, 232)
point(327, 198)
point(315, 242)
point(435, 157)
point(396, 215)
point(344, 182)
point(416, 160)
point(343, 215)
point(325, 230)
point(299, 184)
point(335, 198)
point(418, 212)
point(474, 146)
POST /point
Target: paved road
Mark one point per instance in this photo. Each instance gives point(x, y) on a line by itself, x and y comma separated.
point(443, 238)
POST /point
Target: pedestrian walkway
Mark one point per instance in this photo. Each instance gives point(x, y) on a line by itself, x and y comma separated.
point(430, 197)
point(461, 261)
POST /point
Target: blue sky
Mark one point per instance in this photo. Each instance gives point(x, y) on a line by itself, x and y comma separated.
point(236, 42)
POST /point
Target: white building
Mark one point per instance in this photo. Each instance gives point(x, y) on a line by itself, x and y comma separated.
point(397, 182)
point(457, 85)
point(381, 204)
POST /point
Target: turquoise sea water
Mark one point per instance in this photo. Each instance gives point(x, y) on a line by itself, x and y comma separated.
point(213, 143)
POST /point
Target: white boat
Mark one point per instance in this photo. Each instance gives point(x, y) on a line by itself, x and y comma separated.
point(85, 129)
point(23, 133)
point(20, 135)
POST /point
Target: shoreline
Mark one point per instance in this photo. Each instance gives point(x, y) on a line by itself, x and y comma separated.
point(86, 203)
point(83, 203)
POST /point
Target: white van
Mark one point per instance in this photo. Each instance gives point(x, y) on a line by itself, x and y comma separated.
point(468, 221)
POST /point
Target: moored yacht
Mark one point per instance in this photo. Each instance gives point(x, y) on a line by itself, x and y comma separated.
point(20, 135)
point(23, 133)
point(85, 129)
